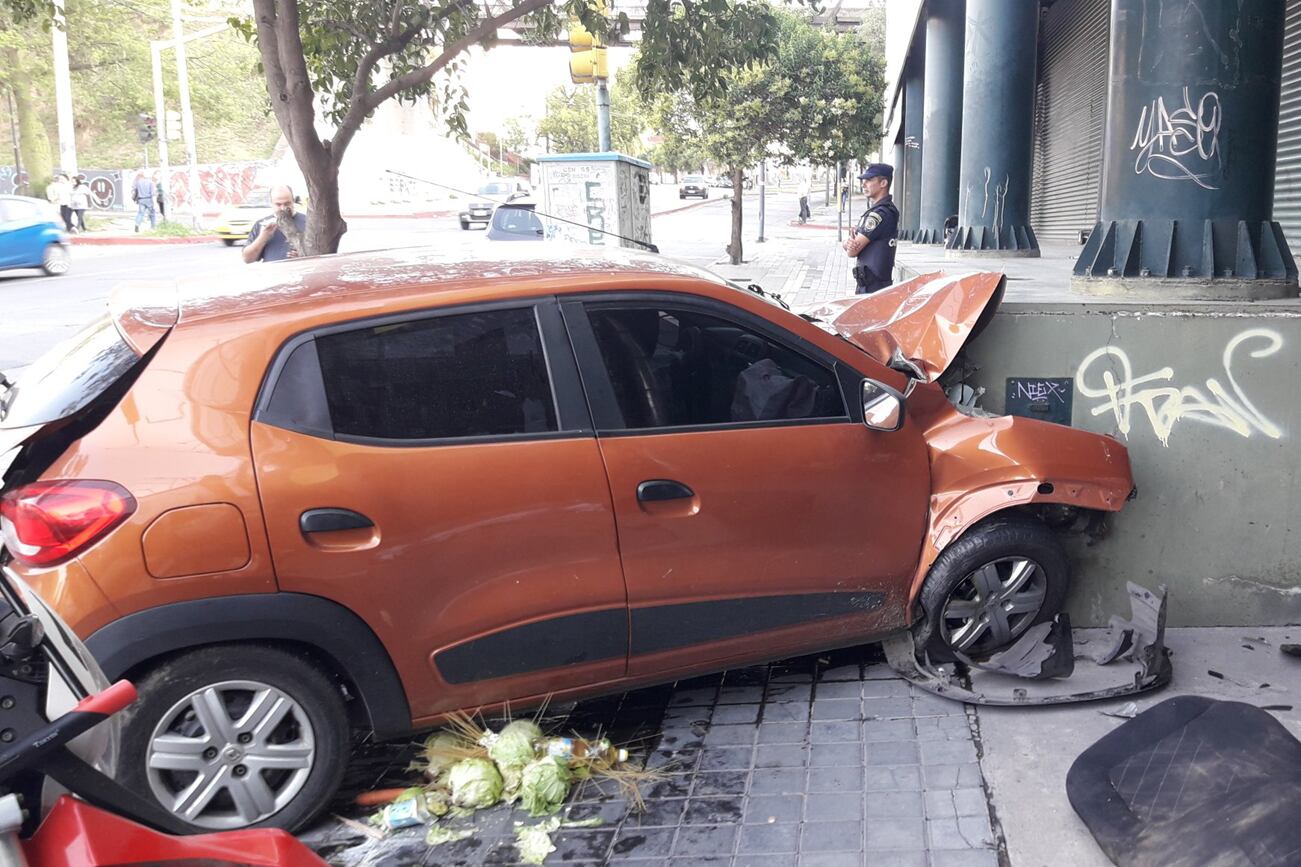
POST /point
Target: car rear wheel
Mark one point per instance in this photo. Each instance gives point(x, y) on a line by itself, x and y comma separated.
point(465, 225)
point(55, 260)
point(986, 589)
point(235, 736)
point(229, 242)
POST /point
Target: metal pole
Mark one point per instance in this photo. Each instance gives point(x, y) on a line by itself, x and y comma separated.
point(840, 212)
point(63, 93)
point(763, 195)
point(603, 115)
point(850, 176)
point(13, 131)
point(187, 117)
point(160, 112)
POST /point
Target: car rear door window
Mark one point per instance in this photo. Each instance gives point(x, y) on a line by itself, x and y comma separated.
point(684, 368)
point(474, 374)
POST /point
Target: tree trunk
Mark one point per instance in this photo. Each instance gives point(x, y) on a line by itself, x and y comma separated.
point(734, 248)
point(33, 141)
point(325, 223)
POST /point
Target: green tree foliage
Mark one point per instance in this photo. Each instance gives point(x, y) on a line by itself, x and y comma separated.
point(109, 61)
point(816, 98)
point(570, 120)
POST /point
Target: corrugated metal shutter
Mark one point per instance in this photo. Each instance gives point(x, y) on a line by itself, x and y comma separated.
point(1287, 180)
point(1070, 107)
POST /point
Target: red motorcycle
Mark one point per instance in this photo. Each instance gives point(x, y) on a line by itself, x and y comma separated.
point(59, 806)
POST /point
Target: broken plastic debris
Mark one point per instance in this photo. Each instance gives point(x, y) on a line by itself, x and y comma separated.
point(1129, 711)
point(404, 813)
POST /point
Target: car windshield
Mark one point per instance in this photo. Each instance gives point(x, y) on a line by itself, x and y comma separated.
point(496, 189)
point(68, 377)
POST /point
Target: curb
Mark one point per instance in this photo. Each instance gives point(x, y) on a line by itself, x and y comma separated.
point(680, 208)
point(135, 240)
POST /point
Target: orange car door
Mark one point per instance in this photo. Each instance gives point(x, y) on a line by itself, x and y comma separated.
point(437, 474)
point(757, 516)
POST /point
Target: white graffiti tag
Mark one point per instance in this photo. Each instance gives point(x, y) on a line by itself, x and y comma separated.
point(1166, 405)
point(1040, 390)
point(1180, 145)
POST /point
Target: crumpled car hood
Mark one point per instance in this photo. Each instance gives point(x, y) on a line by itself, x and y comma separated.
point(917, 326)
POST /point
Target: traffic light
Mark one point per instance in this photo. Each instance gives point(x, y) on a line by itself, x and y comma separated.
point(147, 129)
point(588, 62)
point(173, 125)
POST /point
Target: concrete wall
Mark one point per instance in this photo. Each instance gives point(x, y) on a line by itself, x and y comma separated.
point(1206, 397)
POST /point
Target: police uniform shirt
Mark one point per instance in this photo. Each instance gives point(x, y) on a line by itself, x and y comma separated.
point(881, 225)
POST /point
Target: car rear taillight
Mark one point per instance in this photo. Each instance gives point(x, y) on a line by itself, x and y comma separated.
point(45, 523)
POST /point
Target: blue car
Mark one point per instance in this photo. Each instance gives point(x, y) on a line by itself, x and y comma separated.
point(30, 237)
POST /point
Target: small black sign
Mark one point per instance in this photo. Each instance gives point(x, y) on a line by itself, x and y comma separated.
point(1042, 397)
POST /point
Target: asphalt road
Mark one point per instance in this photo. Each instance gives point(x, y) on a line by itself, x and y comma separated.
point(36, 311)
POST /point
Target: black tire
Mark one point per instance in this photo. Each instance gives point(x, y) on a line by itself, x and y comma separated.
point(465, 225)
point(953, 585)
point(55, 260)
point(229, 242)
point(175, 679)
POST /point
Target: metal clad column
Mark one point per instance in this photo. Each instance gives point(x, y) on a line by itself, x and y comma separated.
point(942, 125)
point(1287, 179)
point(1189, 154)
point(913, 104)
point(997, 130)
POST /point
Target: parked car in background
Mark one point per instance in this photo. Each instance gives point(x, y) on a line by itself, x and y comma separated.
point(31, 236)
point(694, 185)
point(491, 194)
point(370, 490)
point(516, 222)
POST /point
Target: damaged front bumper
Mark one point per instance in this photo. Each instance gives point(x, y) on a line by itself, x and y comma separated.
point(1130, 658)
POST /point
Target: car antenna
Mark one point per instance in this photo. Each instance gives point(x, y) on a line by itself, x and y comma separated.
point(647, 244)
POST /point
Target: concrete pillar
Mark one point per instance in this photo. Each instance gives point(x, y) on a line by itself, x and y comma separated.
point(1189, 153)
point(997, 126)
point(909, 170)
point(942, 125)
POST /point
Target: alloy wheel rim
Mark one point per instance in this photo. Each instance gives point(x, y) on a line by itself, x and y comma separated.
point(993, 605)
point(57, 263)
point(230, 754)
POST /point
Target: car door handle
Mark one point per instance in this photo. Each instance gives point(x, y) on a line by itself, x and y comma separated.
point(658, 490)
point(332, 521)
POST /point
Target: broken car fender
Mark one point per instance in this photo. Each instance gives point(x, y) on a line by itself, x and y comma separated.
point(984, 465)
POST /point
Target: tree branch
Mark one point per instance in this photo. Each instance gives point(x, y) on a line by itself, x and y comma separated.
point(365, 103)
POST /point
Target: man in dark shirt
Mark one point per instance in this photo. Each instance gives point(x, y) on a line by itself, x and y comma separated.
point(279, 236)
point(872, 243)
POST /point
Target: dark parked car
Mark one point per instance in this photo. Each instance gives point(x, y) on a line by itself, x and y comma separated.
point(30, 237)
point(694, 185)
point(491, 194)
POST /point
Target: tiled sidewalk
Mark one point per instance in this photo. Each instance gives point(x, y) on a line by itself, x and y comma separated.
point(816, 761)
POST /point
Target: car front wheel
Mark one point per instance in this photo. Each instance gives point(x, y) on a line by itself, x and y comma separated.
point(55, 260)
point(229, 242)
point(991, 585)
point(235, 736)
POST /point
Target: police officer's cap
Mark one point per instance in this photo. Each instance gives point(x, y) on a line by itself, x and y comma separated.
point(878, 170)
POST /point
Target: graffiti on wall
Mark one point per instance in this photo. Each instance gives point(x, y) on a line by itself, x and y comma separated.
point(12, 182)
point(221, 184)
point(1108, 375)
point(1180, 145)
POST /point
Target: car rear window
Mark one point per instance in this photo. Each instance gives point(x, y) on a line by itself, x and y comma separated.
point(494, 189)
point(464, 375)
point(517, 221)
point(67, 378)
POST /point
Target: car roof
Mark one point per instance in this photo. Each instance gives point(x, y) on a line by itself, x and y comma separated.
point(373, 281)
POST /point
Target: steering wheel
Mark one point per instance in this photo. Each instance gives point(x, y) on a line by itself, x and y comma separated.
point(643, 376)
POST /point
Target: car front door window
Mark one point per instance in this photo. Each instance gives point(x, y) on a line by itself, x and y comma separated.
point(678, 367)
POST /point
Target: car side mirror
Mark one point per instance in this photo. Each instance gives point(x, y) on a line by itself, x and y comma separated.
point(883, 407)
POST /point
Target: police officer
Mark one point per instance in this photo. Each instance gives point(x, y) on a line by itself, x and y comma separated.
point(872, 243)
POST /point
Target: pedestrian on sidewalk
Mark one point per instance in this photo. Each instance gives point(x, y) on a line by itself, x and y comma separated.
point(160, 199)
point(80, 201)
point(279, 236)
point(142, 193)
point(59, 192)
point(806, 190)
point(872, 242)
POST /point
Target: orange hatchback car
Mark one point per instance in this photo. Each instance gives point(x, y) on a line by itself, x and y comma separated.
point(363, 491)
